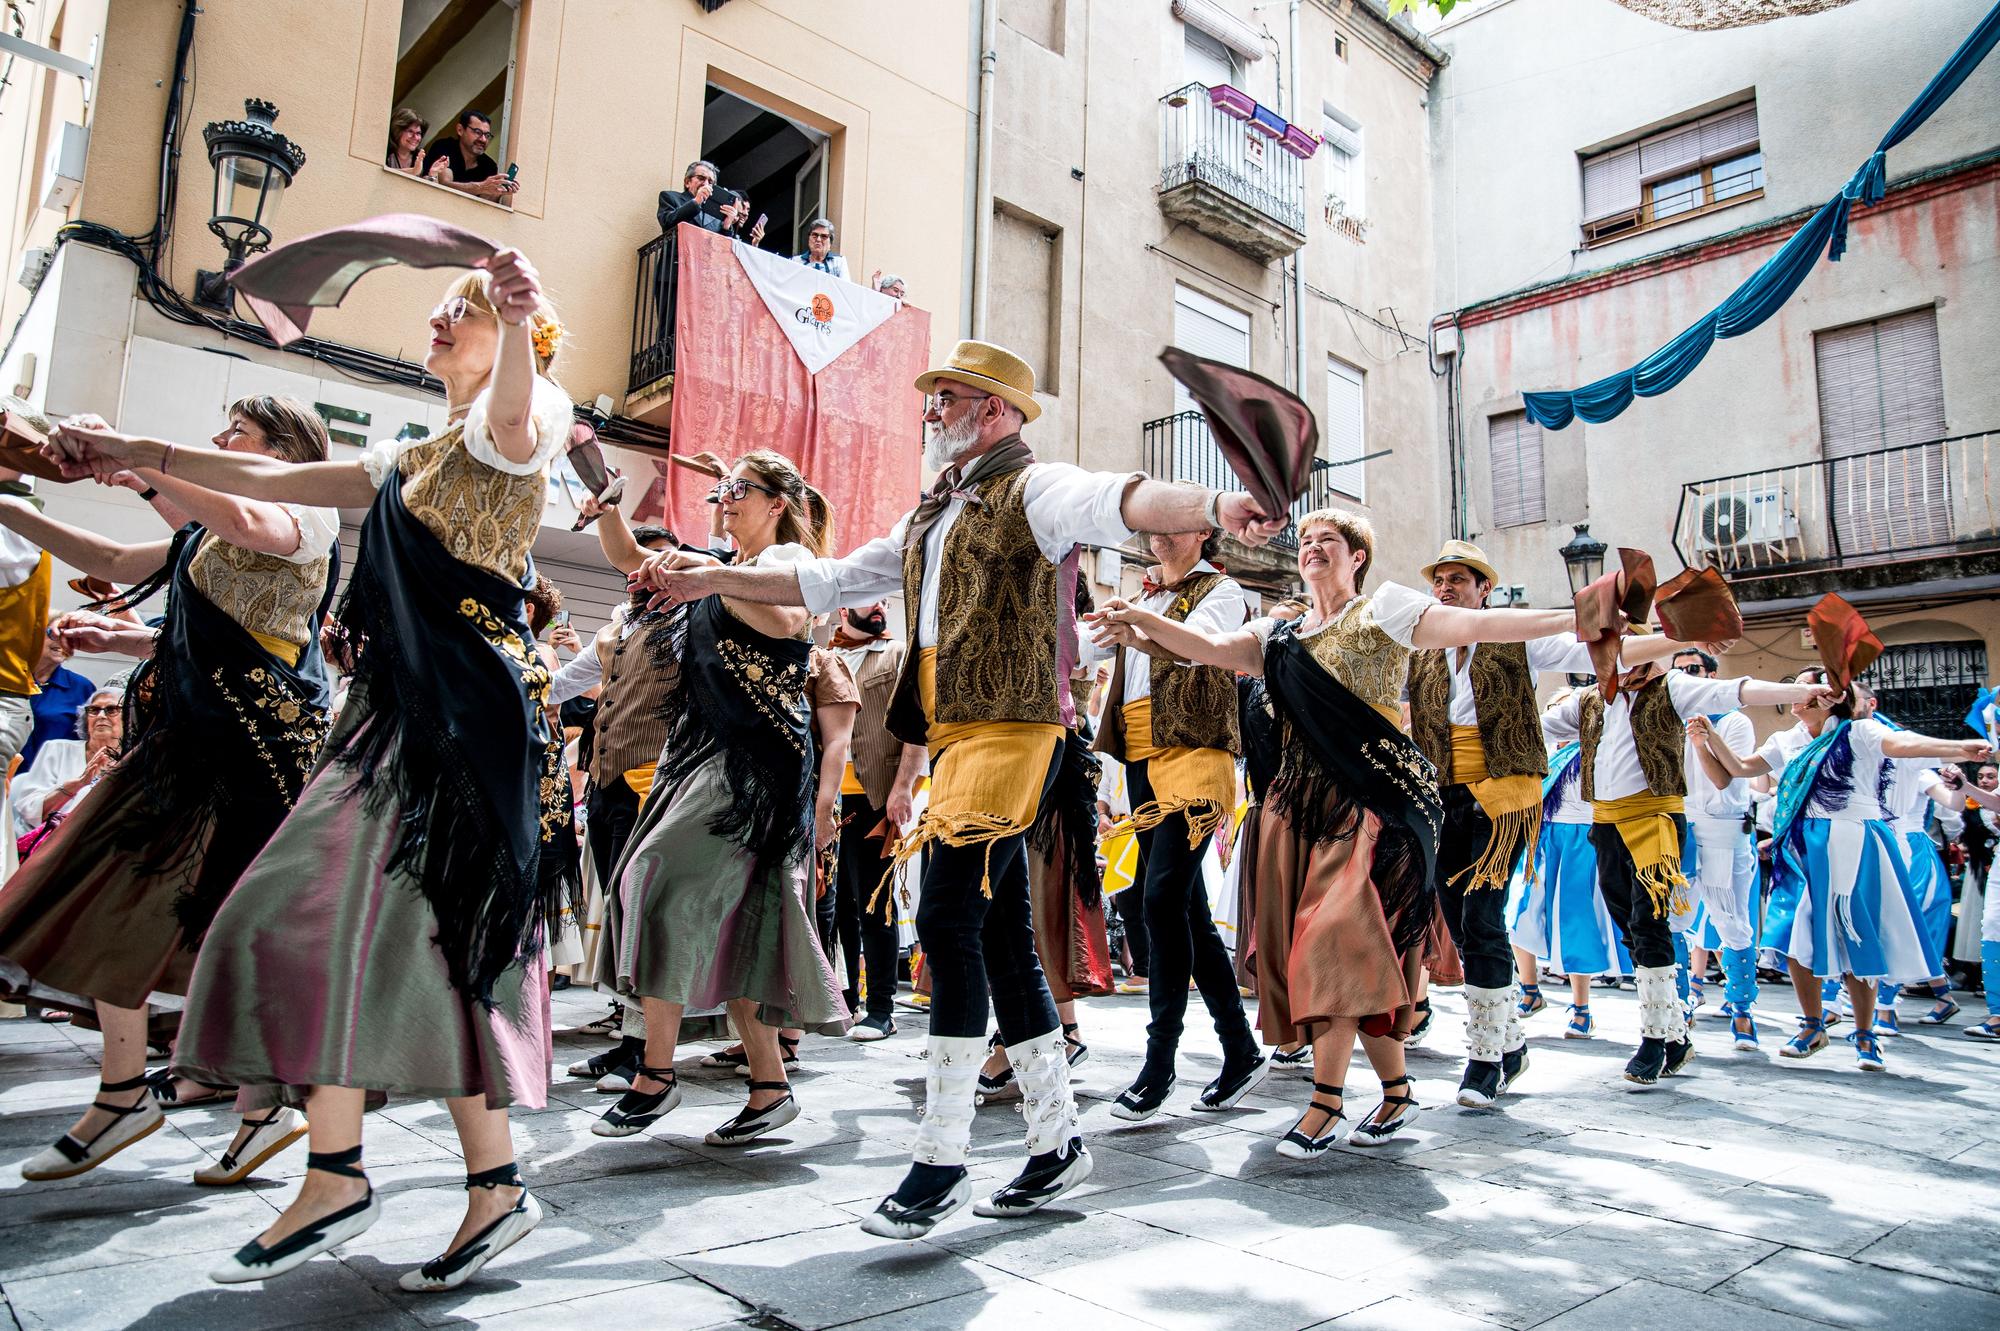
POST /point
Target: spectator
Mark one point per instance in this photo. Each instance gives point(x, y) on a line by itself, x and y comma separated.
point(890, 285)
point(736, 215)
point(55, 707)
point(461, 161)
point(690, 203)
point(819, 250)
point(66, 768)
point(406, 141)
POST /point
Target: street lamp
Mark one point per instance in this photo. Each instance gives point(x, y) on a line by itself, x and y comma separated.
point(1583, 556)
point(253, 164)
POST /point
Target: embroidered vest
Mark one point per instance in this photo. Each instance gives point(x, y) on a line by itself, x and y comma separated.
point(1368, 662)
point(483, 516)
point(1503, 695)
point(630, 725)
point(1002, 610)
point(1194, 707)
point(266, 594)
point(1656, 729)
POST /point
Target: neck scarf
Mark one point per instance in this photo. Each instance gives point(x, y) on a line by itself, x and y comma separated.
point(1003, 459)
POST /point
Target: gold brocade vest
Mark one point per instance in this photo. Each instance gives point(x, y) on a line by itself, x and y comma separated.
point(1503, 697)
point(483, 516)
point(1000, 618)
point(1194, 707)
point(270, 596)
point(630, 725)
point(1368, 662)
point(875, 752)
point(1656, 729)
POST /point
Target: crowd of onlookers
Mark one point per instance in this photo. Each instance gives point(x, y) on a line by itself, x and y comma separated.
point(457, 160)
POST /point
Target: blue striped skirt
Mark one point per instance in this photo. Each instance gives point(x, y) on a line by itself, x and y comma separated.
point(1558, 914)
point(1842, 903)
point(1932, 888)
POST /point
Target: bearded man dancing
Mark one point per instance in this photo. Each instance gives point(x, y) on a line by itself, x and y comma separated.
point(986, 564)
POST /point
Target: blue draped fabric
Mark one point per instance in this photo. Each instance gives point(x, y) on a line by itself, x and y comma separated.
point(1773, 284)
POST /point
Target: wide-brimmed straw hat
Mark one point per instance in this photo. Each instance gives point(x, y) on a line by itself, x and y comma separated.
point(1461, 552)
point(994, 368)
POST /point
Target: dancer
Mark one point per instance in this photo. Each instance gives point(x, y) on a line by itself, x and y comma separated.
point(1914, 785)
point(1841, 904)
point(710, 905)
point(1988, 1029)
point(224, 719)
point(1725, 872)
point(877, 787)
point(1635, 777)
point(417, 880)
point(1350, 833)
point(1175, 728)
point(1473, 714)
point(1560, 917)
point(986, 565)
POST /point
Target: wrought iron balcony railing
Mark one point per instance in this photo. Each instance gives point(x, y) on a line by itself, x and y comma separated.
point(1226, 179)
point(653, 313)
point(1181, 448)
point(1883, 507)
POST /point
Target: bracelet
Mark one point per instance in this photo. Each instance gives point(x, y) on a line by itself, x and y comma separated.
point(167, 460)
point(1212, 514)
point(149, 494)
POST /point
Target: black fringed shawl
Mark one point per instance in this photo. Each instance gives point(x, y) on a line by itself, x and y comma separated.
point(454, 742)
point(1068, 820)
point(743, 695)
point(220, 736)
point(1341, 758)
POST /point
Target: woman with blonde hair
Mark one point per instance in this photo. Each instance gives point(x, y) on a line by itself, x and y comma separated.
point(709, 906)
point(415, 885)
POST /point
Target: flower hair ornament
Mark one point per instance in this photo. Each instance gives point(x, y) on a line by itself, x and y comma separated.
point(547, 336)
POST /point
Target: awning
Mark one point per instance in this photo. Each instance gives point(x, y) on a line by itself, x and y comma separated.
point(1222, 25)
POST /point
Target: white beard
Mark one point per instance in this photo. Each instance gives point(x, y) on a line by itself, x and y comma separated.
point(945, 444)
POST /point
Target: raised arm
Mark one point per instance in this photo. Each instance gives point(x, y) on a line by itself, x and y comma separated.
point(1150, 505)
point(1238, 650)
point(1909, 744)
point(614, 536)
point(85, 550)
point(85, 450)
point(516, 290)
point(1456, 626)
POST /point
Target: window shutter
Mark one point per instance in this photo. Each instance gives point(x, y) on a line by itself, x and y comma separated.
point(1670, 152)
point(1880, 384)
point(1346, 433)
point(1515, 447)
point(1912, 385)
point(1610, 184)
point(1207, 328)
point(1730, 132)
point(1208, 61)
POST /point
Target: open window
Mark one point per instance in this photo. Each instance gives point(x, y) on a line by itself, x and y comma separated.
point(452, 57)
point(780, 164)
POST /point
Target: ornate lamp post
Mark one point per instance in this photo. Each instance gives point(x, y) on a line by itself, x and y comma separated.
point(253, 164)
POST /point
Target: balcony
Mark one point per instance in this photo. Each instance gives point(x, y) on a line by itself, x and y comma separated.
point(653, 299)
point(1226, 180)
point(1181, 448)
point(1787, 531)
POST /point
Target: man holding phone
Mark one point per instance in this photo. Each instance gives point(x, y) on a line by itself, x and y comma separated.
point(461, 162)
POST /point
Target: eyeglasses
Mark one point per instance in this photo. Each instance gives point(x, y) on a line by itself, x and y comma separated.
point(1696, 669)
point(104, 709)
point(453, 311)
point(943, 402)
point(738, 487)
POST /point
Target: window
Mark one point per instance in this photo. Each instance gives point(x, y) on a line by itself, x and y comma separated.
point(1346, 429)
point(1339, 46)
point(1345, 178)
point(1207, 328)
point(1514, 444)
point(1029, 251)
point(1676, 173)
point(1929, 686)
point(1208, 61)
point(454, 56)
point(1881, 388)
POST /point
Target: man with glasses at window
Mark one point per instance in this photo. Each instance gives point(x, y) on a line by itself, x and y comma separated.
point(1725, 876)
point(690, 203)
point(986, 565)
point(461, 163)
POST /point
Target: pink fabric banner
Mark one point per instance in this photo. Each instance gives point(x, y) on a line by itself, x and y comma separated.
point(855, 428)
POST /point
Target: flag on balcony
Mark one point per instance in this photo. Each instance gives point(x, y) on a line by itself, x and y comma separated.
point(742, 381)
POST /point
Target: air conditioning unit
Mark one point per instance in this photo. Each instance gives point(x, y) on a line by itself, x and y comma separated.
point(1754, 517)
point(34, 267)
point(63, 168)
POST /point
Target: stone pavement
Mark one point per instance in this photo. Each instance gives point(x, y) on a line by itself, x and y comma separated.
point(1751, 1195)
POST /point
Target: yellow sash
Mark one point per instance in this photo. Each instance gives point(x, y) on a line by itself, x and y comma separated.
point(639, 781)
point(288, 652)
point(1198, 782)
point(850, 784)
point(1645, 824)
point(1512, 803)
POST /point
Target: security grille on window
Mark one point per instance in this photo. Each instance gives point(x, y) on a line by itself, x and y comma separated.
point(1676, 173)
point(1514, 444)
point(1344, 176)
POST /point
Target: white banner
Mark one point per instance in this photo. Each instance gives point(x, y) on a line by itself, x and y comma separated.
point(823, 315)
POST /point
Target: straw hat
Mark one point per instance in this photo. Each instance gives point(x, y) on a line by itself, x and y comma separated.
point(984, 365)
point(1461, 552)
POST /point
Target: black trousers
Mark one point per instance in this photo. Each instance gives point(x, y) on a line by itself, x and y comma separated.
point(981, 951)
point(1131, 907)
point(1181, 934)
point(864, 933)
point(1478, 920)
point(611, 812)
point(1647, 935)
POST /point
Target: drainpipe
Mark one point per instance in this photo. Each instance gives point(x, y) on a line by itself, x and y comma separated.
point(1299, 257)
point(982, 222)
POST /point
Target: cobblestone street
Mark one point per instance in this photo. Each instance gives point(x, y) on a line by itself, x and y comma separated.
point(1752, 1195)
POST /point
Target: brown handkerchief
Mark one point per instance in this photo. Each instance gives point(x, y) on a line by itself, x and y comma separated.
point(586, 459)
point(1622, 596)
point(1846, 644)
point(1697, 606)
point(283, 286)
point(21, 448)
point(1266, 434)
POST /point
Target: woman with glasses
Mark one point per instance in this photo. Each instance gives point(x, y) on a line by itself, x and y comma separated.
point(66, 768)
point(226, 716)
point(404, 905)
point(710, 906)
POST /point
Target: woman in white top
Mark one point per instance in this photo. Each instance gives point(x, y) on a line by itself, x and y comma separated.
point(65, 768)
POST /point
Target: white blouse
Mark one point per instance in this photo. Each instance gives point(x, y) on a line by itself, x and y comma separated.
point(1394, 608)
point(550, 413)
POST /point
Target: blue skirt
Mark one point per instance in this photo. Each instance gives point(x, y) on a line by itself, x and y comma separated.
point(1842, 903)
point(1932, 887)
point(1558, 914)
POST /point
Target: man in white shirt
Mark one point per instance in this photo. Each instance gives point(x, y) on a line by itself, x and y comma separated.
point(1725, 838)
point(986, 565)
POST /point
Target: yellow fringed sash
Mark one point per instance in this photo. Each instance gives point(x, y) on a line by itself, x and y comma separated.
point(1645, 824)
point(1512, 803)
point(986, 781)
point(1200, 783)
